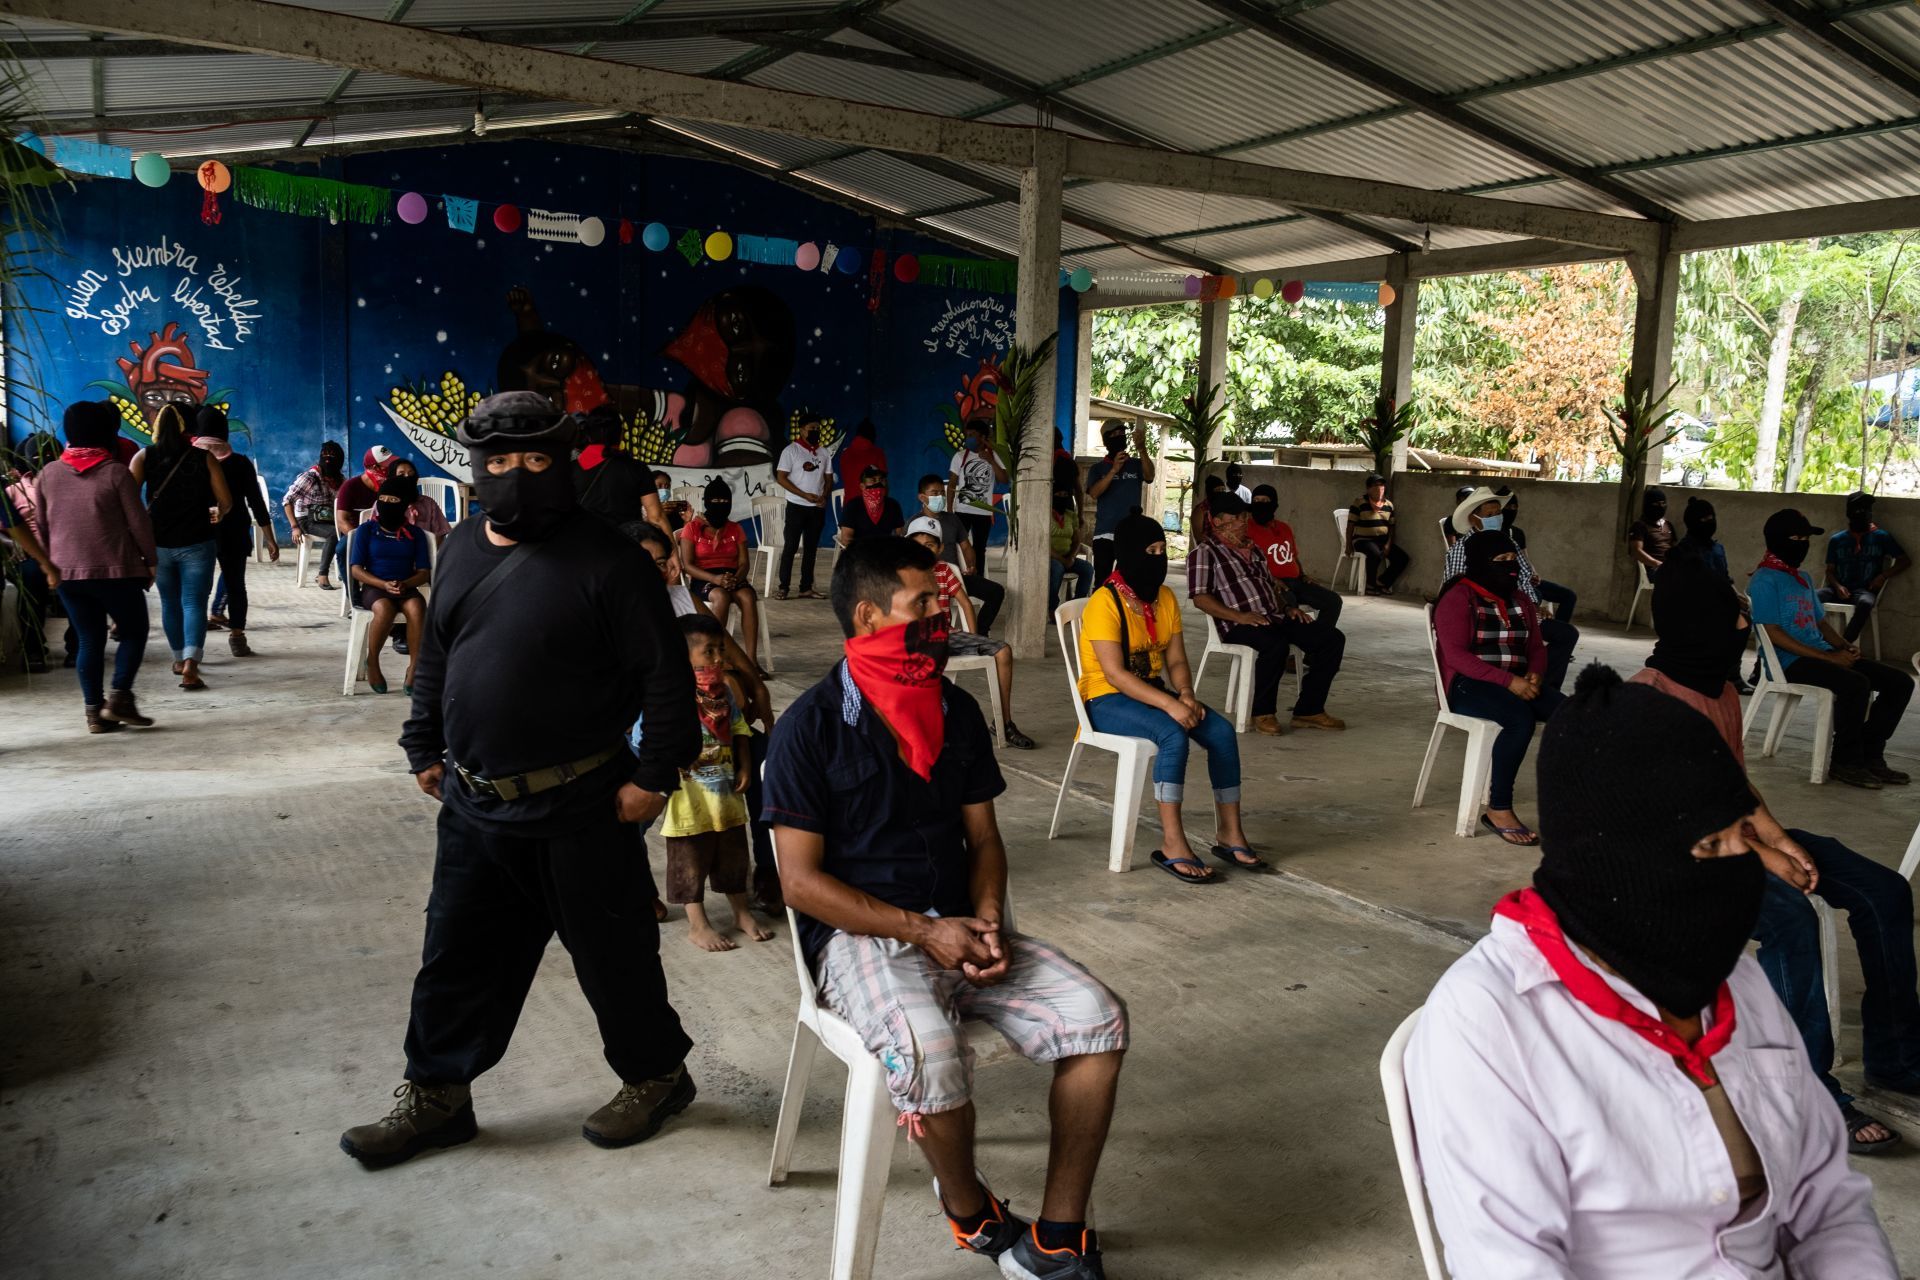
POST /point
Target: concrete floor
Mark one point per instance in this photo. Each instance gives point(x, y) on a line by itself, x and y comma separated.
point(209, 930)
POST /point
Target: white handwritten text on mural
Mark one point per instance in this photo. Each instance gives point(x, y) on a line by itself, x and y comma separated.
point(164, 272)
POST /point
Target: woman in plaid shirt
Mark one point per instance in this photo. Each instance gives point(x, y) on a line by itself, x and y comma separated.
point(1493, 665)
point(308, 503)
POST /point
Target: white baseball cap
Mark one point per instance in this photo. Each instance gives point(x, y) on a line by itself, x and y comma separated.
point(925, 524)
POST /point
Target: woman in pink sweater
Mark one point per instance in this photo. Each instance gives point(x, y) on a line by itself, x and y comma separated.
point(1493, 665)
point(98, 536)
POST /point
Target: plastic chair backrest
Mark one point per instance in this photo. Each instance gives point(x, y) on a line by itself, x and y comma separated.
point(766, 510)
point(1433, 656)
point(266, 498)
point(352, 586)
point(1340, 524)
point(1067, 620)
point(1393, 1084)
point(1770, 667)
point(445, 493)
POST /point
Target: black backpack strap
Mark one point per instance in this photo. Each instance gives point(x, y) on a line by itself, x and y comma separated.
point(481, 592)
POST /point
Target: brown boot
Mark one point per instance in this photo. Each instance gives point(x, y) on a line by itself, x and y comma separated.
point(237, 642)
point(638, 1110)
point(426, 1116)
point(120, 709)
point(98, 723)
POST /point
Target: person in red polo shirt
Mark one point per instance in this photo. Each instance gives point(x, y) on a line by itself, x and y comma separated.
point(1274, 537)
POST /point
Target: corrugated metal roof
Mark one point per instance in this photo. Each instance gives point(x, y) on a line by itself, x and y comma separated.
point(692, 57)
point(372, 84)
point(239, 137)
point(1046, 42)
point(857, 82)
point(891, 182)
point(1561, 195)
point(1413, 150)
point(61, 87)
point(773, 148)
point(1283, 244)
point(1797, 178)
point(201, 82)
point(514, 13)
point(999, 224)
point(701, 8)
point(1162, 210)
point(1897, 31)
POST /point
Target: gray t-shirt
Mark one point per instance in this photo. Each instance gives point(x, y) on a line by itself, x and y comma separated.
point(1119, 498)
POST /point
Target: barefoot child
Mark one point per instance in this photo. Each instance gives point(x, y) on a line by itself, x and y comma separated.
point(705, 823)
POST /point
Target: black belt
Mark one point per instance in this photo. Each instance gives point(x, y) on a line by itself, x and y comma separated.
point(521, 785)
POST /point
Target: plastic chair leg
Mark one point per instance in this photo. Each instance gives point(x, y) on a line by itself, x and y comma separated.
point(1242, 694)
point(1426, 766)
point(766, 635)
point(866, 1155)
point(799, 1069)
point(356, 655)
point(1129, 777)
point(1777, 727)
point(998, 728)
point(1822, 739)
point(1476, 777)
point(1066, 780)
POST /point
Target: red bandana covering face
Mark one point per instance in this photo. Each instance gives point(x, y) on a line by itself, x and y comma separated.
point(898, 671)
point(710, 696)
point(1530, 911)
point(876, 500)
point(84, 460)
point(1772, 561)
point(376, 471)
point(1147, 611)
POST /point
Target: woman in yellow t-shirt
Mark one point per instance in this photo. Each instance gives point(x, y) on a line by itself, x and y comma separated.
point(1135, 681)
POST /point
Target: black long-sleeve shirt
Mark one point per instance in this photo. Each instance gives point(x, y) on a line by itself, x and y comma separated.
point(614, 489)
point(243, 484)
point(556, 666)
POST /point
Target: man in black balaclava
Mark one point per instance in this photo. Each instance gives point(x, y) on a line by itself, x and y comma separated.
point(1651, 536)
point(550, 635)
point(1701, 542)
point(609, 481)
point(1609, 1021)
point(1861, 559)
point(1813, 653)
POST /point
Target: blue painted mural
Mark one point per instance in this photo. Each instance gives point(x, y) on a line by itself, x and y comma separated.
point(387, 334)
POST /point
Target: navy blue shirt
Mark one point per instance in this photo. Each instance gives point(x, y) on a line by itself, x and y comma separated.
point(1857, 559)
point(834, 769)
point(1117, 501)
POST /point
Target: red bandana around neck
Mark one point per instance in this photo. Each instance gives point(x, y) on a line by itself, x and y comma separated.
point(876, 500)
point(1772, 561)
point(84, 459)
point(1529, 910)
point(1147, 611)
point(1491, 598)
point(902, 682)
point(710, 696)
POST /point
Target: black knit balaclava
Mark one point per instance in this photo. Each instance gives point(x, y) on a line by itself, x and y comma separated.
point(1697, 617)
point(1653, 504)
point(521, 504)
point(1144, 572)
point(1630, 781)
point(1702, 524)
point(91, 424)
point(1502, 577)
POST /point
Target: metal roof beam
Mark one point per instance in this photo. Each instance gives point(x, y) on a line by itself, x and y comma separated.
point(395, 11)
point(1819, 29)
point(1383, 80)
point(1857, 218)
point(200, 117)
point(311, 35)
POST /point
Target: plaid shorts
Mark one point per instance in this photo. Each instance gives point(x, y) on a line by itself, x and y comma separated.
point(909, 1013)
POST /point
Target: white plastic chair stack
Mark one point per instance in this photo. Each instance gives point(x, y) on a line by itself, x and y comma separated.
point(1787, 697)
point(979, 662)
point(451, 496)
point(266, 500)
point(868, 1125)
point(1393, 1083)
point(1645, 588)
point(1843, 615)
point(1240, 659)
point(1349, 563)
point(1476, 774)
point(770, 523)
point(1135, 755)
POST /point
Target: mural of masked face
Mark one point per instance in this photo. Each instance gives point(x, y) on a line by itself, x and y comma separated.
point(739, 348)
point(158, 395)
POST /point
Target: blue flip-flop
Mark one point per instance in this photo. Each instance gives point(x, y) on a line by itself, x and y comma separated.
point(1226, 852)
point(1168, 865)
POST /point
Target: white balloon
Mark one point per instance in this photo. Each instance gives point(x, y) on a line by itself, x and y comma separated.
point(592, 231)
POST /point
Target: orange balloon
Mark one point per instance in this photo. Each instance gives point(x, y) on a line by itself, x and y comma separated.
point(1228, 286)
point(214, 176)
point(1386, 295)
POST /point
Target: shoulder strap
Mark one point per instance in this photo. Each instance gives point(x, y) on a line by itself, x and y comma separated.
point(481, 592)
point(155, 496)
point(1126, 647)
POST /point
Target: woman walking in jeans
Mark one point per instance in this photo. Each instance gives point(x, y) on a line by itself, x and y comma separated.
point(1135, 681)
point(100, 541)
point(187, 498)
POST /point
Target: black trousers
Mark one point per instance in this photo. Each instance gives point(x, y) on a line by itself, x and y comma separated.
point(496, 902)
point(1102, 561)
point(991, 595)
point(1859, 735)
point(1321, 646)
point(1322, 600)
point(804, 523)
point(979, 532)
point(762, 836)
point(1376, 550)
point(1560, 638)
point(233, 579)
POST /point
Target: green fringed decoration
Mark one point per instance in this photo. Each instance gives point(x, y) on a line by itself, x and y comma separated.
point(310, 197)
point(978, 274)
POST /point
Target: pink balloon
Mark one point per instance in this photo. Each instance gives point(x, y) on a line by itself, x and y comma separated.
point(1293, 290)
point(1193, 286)
point(807, 256)
point(412, 208)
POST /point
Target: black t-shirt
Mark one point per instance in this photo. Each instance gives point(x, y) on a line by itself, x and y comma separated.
point(555, 667)
point(1655, 539)
point(179, 505)
point(248, 509)
point(614, 489)
point(853, 514)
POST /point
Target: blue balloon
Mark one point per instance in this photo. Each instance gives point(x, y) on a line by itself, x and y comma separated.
point(848, 262)
point(655, 237)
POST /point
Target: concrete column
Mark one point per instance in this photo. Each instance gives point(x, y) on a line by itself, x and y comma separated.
point(1214, 317)
point(1655, 308)
point(1396, 348)
point(1038, 317)
point(1081, 441)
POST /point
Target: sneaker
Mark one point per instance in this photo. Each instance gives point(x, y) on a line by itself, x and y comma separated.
point(1887, 774)
point(423, 1118)
point(995, 1236)
point(1855, 775)
point(1016, 739)
point(1026, 1260)
point(1319, 721)
point(636, 1112)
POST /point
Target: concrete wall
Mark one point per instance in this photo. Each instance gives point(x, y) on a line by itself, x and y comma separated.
point(1571, 533)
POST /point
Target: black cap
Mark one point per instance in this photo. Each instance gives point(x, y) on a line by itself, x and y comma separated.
point(208, 420)
point(1859, 500)
point(1225, 502)
point(517, 420)
point(1374, 478)
point(1788, 523)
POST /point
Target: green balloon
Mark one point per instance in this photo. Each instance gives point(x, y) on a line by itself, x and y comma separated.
point(152, 169)
point(1081, 280)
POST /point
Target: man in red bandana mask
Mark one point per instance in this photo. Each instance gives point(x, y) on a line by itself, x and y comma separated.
point(879, 788)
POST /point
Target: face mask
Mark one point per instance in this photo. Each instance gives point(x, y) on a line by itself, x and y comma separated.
point(718, 513)
point(812, 436)
point(1263, 513)
point(332, 466)
point(391, 515)
point(1502, 577)
point(1794, 551)
point(664, 494)
point(1860, 521)
point(1492, 522)
point(524, 505)
point(1704, 527)
point(1063, 502)
point(1656, 512)
point(1114, 443)
point(898, 669)
point(937, 502)
point(710, 698)
point(1144, 572)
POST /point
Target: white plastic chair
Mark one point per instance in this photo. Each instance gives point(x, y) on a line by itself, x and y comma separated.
point(1645, 588)
point(451, 496)
point(1348, 560)
point(1135, 755)
point(770, 522)
point(765, 656)
point(979, 662)
point(360, 619)
point(1844, 613)
point(1240, 659)
point(1393, 1083)
point(1911, 863)
point(1787, 697)
point(266, 499)
point(868, 1122)
point(1476, 773)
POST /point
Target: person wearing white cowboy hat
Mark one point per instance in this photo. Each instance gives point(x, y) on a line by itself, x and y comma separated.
point(1486, 508)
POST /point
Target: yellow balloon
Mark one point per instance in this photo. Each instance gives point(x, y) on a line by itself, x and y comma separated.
point(1263, 288)
point(719, 246)
point(1386, 295)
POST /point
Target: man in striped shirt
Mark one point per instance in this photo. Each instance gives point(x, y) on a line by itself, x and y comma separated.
point(1370, 534)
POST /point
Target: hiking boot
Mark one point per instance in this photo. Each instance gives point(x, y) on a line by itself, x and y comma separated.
point(638, 1110)
point(992, 1237)
point(1320, 720)
point(1266, 724)
point(98, 723)
point(121, 708)
point(1028, 1261)
point(237, 644)
point(425, 1117)
point(1855, 775)
point(1887, 774)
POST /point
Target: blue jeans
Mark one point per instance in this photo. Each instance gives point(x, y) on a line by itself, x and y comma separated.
point(184, 578)
point(1517, 717)
point(1082, 579)
point(89, 602)
point(1117, 713)
point(1879, 907)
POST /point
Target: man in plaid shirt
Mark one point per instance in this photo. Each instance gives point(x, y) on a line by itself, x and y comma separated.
point(1228, 581)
